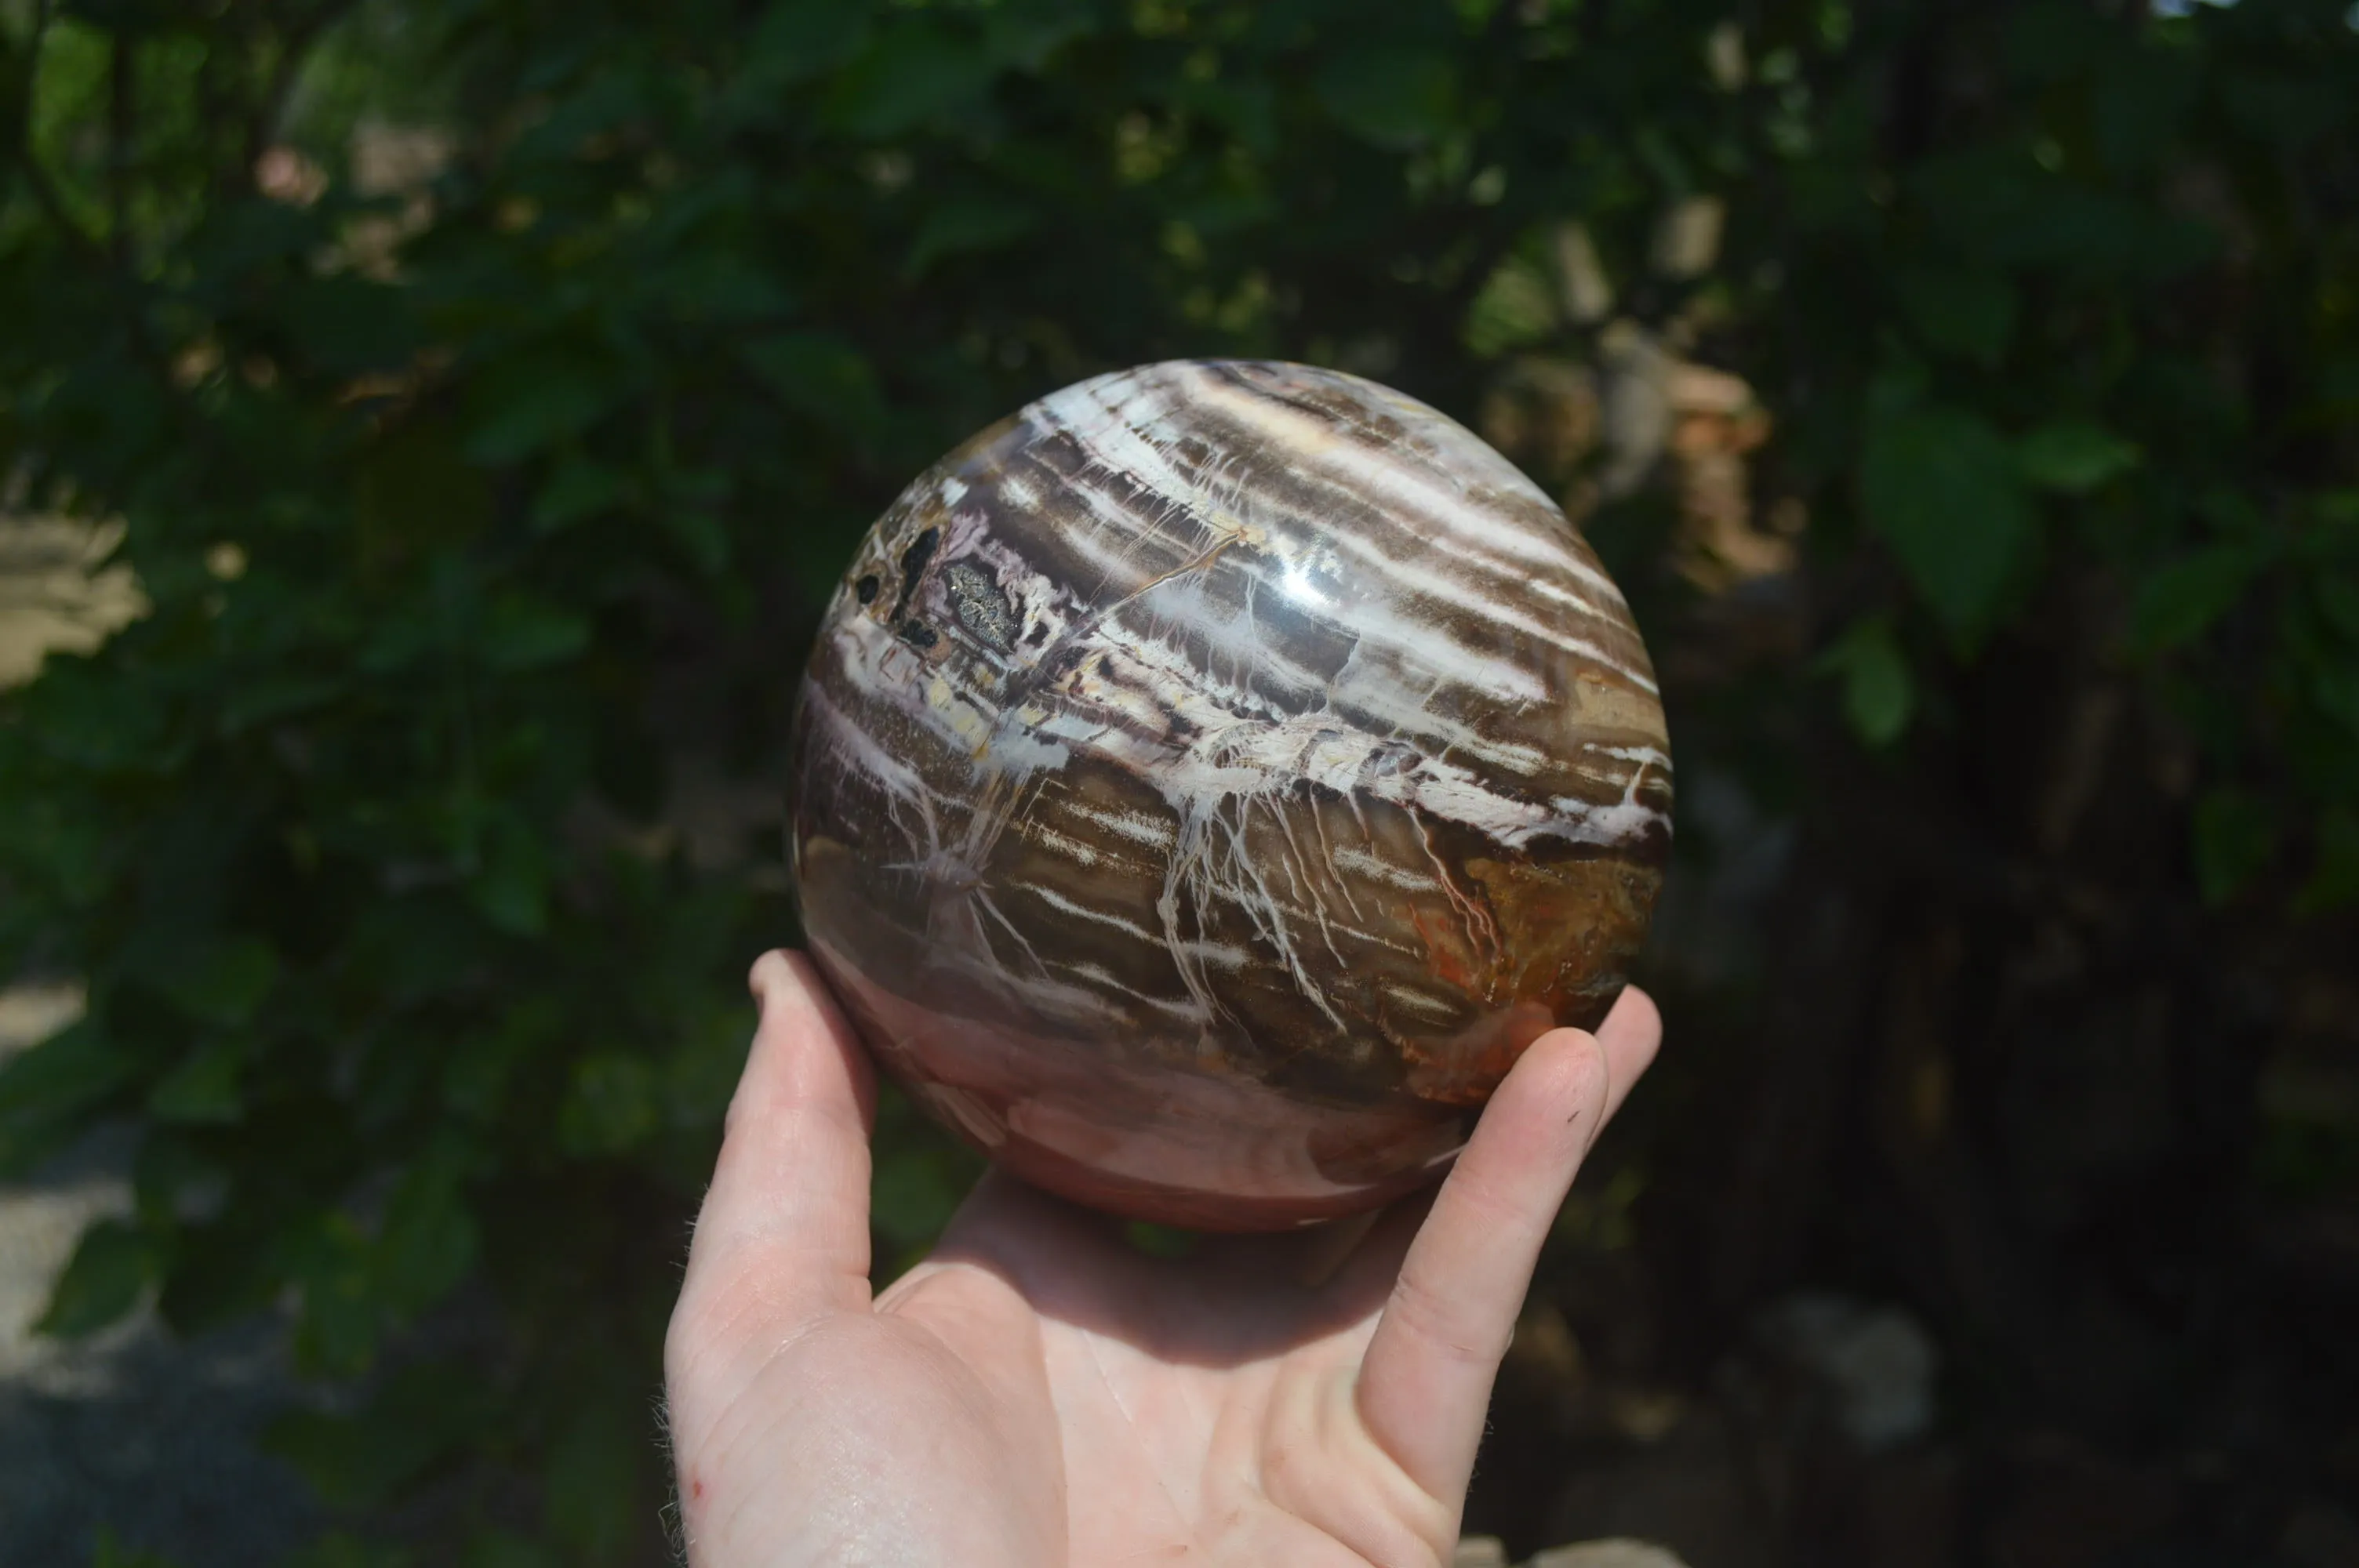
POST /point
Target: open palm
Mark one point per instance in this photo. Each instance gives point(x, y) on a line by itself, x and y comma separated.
point(1040, 1393)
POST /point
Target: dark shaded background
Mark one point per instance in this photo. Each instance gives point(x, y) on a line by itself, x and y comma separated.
point(486, 391)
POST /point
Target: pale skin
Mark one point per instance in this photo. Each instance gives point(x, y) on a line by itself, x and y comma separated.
point(1040, 1393)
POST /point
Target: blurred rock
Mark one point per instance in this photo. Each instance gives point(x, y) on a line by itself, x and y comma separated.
point(1479, 1551)
point(1876, 1366)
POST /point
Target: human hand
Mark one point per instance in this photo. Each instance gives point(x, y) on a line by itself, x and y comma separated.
point(1039, 1393)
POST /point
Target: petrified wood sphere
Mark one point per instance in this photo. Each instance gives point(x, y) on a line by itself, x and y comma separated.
point(1211, 779)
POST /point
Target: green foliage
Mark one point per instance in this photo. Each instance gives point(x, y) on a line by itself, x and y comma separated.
point(1941, 486)
point(491, 391)
point(1878, 692)
point(110, 1552)
point(112, 1268)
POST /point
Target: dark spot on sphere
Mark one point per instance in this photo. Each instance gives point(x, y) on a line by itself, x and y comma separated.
point(913, 567)
point(867, 588)
point(918, 634)
point(981, 606)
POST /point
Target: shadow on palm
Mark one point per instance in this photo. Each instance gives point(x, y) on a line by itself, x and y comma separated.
point(1227, 1302)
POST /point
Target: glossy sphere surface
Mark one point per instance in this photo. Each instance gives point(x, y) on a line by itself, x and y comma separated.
point(1210, 779)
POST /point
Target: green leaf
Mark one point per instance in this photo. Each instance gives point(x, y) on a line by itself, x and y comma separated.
point(2334, 687)
point(1878, 692)
point(203, 1090)
point(909, 78)
point(277, 695)
point(610, 1104)
point(531, 402)
point(428, 1240)
point(2074, 457)
point(2140, 96)
point(821, 376)
point(511, 889)
point(338, 1550)
point(2338, 602)
point(365, 1460)
point(108, 1551)
point(965, 228)
point(475, 1081)
point(1029, 35)
point(2235, 837)
point(44, 1090)
point(522, 632)
point(413, 490)
point(591, 1484)
point(1396, 98)
point(223, 982)
point(1939, 484)
point(347, 325)
point(2180, 602)
point(797, 40)
point(503, 1548)
point(1967, 314)
point(578, 489)
point(2333, 882)
point(329, 1260)
point(702, 533)
point(110, 1270)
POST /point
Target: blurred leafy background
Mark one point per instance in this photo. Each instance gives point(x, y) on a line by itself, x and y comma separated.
point(471, 401)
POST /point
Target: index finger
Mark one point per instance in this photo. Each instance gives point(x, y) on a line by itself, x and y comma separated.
point(783, 1236)
point(1425, 1380)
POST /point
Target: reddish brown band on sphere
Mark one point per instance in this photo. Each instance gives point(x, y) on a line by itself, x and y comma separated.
point(1209, 780)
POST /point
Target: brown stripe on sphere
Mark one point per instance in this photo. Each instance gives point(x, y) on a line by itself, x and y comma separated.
point(1213, 776)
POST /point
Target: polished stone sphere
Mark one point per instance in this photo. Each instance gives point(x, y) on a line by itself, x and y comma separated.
point(1208, 782)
